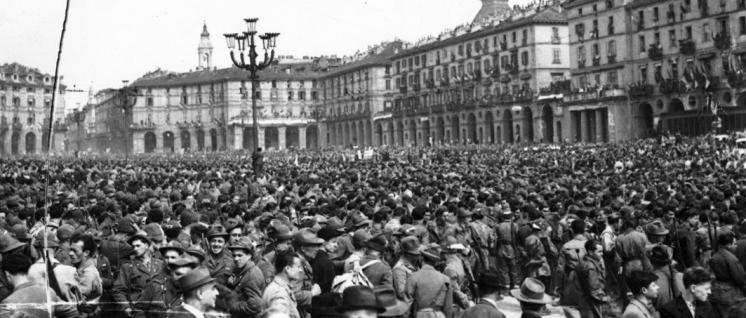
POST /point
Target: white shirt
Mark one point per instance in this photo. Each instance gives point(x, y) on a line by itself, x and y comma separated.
point(690, 305)
point(193, 311)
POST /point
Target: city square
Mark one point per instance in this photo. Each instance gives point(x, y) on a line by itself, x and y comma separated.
point(577, 158)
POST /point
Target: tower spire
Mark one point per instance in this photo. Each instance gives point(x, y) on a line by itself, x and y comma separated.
point(204, 51)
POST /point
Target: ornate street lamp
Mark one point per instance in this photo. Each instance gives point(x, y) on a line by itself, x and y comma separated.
point(79, 118)
point(246, 44)
point(126, 99)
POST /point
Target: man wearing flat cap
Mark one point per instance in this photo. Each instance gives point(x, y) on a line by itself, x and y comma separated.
point(200, 294)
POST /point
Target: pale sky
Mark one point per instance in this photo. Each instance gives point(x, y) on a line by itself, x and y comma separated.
point(108, 41)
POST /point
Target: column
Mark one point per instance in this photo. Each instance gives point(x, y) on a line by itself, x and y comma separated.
point(138, 142)
point(261, 138)
point(321, 138)
point(237, 137)
point(37, 150)
point(362, 134)
point(22, 143)
point(281, 141)
point(302, 137)
point(600, 124)
point(208, 141)
point(584, 126)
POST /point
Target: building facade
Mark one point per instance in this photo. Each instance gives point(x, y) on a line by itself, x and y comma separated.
point(25, 106)
point(479, 82)
point(353, 92)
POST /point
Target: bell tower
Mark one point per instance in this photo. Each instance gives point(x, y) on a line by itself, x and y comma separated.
point(490, 9)
point(204, 51)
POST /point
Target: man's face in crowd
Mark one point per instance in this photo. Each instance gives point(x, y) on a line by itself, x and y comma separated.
point(694, 221)
point(310, 251)
point(282, 246)
point(651, 292)
point(208, 294)
point(76, 253)
point(170, 256)
point(599, 252)
point(241, 257)
point(701, 291)
point(361, 313)
point(236, 234)
point(295, 270)
point(217, 244)
point(140, 247)
point(236, 199)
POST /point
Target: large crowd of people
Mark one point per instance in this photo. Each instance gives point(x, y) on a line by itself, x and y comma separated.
point(646, 228)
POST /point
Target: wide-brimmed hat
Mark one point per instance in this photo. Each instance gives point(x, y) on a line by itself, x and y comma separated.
point(305, 237)
point(154, 232)
point(197, 253)
point(531, 291)
point(489, 278)
point(282, 232)
point(658, 255)
point(655, 228)
point(52, 241)
point(335, 224)
point(410, 245)
point(9, 243)
point(359, 297)
point(451, 245)
point(359, 219)
point(377, 243)
point(195, 279)
point(244, 243)
point(431, 252)
point(217, 231)
point(140, 235)
point(404, 230)
point(184, 261)
point(386, 298)
point(172, 246)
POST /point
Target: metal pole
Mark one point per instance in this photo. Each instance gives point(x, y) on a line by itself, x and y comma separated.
point(254, 112)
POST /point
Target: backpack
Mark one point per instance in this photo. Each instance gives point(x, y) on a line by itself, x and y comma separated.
point(355, 277)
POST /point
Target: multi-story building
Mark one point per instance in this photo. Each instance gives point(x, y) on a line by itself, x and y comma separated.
point(479, 82)
point(210, 109)
point(25, 106)
point(642, 67)
point(353, 92)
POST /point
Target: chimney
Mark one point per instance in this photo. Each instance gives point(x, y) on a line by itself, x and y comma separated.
point(490, 9)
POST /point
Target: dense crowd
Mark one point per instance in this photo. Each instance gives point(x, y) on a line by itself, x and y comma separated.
point(650, 228)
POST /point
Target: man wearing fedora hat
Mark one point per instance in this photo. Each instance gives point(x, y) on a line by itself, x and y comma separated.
point(360, 302)
point(532, 297)
point(247, 283)
point(199, 292)
point(378, 272)
point(489, 289)
point(669, 279)
point(135, 273)
point(409, 262)
point(219, 260)
point(308, 245)
point(387, 298)
point(430, 290)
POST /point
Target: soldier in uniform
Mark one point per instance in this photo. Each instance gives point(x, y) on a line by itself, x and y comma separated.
point(505, 259)
point(408, 263)
point(219, 260)
point(591, 276)
point(730, 277)
point(135, 273)
point(430, 290)
point(246, 285)
point(162, 293)
point(483, 240)
point(459, 272)
point(571, 254)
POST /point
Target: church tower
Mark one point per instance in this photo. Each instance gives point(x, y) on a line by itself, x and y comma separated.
point(204, 50)
point(490, 9)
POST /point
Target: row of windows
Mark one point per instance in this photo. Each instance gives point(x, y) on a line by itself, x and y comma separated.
point(465, 50)
point(16, 102)
point(29, 89)
point(29, 78)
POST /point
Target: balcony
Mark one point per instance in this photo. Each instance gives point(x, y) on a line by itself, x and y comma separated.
point(403, 89)
point(655, 51)
point(672, 86)
point(438, 108)
point(641, 90)
point(430, 83)
point(597, 60)
point(671, 16)
point(611, 59)
point(687, 47)
point(145, 126)
point(416, 86)
point(581, 63)
point(444, 82)
point(558, 87)
point(17, 126)
point(512, 69)
point(183, 125)
point(723, 41)
point(503, 46)
point(595, 95)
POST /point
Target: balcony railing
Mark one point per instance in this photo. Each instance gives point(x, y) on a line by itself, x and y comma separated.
point(581, 63)
point(723, 40)
point(611, 59)
point(655, 51)
point(595, 95)
point(687, 47)
point(596, 60)
point(641, 90)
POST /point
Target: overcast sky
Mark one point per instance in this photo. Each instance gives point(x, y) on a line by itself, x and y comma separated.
point(108, 41)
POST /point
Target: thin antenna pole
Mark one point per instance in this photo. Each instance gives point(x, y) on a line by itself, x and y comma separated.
point(49, 143)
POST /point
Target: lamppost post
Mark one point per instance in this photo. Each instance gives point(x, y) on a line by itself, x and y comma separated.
point(124, 102)
point(78, 118)
point(246, 42)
